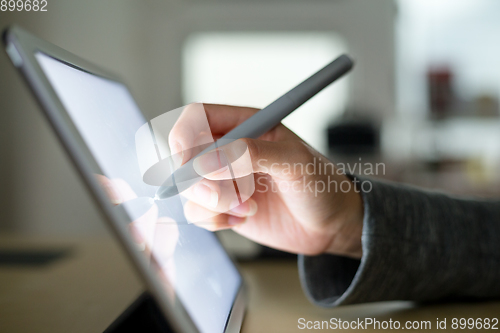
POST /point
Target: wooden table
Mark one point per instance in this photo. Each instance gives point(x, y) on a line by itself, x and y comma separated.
point(89, 287)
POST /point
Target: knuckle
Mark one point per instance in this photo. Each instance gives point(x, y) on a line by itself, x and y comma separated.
point(252, 146)
point(302, 149)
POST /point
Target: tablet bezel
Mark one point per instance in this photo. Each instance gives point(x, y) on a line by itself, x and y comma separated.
point(21, 47)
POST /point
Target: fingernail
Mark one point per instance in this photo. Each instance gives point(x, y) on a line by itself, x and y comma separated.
point(247, 208)
point(141, 246)
point(206, 194)
point(175, 147)
point(177, 154)
point(211, 162)
point(114, 197)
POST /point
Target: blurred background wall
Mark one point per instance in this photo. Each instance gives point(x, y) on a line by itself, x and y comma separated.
point(445, 133)
point(424, 93)
point(148, 44)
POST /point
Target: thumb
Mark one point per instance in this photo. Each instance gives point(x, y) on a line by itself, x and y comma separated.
point(243, 157)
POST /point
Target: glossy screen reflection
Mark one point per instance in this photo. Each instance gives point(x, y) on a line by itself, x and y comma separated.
point(186, 257)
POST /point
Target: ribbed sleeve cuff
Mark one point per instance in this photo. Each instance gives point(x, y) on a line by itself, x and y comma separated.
point(417, 245)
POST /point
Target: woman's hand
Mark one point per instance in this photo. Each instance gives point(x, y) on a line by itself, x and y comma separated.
point(293, 207)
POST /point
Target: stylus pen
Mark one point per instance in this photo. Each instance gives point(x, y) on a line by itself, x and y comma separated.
point(261, 122)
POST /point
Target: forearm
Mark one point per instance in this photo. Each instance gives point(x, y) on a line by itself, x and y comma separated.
point(416, 246)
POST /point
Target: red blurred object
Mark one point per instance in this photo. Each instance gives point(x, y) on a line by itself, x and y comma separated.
point(441, 95)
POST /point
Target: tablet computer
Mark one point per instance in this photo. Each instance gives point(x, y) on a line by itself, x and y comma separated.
point(185, 269)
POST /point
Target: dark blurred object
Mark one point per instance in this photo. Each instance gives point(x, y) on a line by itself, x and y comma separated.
point(267, 253)
point(486, 105)
point(30, 257)
point(443, 165)
point(441, 95)
point(143, 315)
point(353, 137)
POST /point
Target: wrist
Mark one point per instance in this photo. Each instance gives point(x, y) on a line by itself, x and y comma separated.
point(348, 223)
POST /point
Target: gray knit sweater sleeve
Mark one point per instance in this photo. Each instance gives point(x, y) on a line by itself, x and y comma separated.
point(417, 245)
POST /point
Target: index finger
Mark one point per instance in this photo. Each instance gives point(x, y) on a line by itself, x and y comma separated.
point(200, 124)
point(223, 118)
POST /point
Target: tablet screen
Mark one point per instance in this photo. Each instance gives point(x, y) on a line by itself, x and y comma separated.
point(188, 259)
